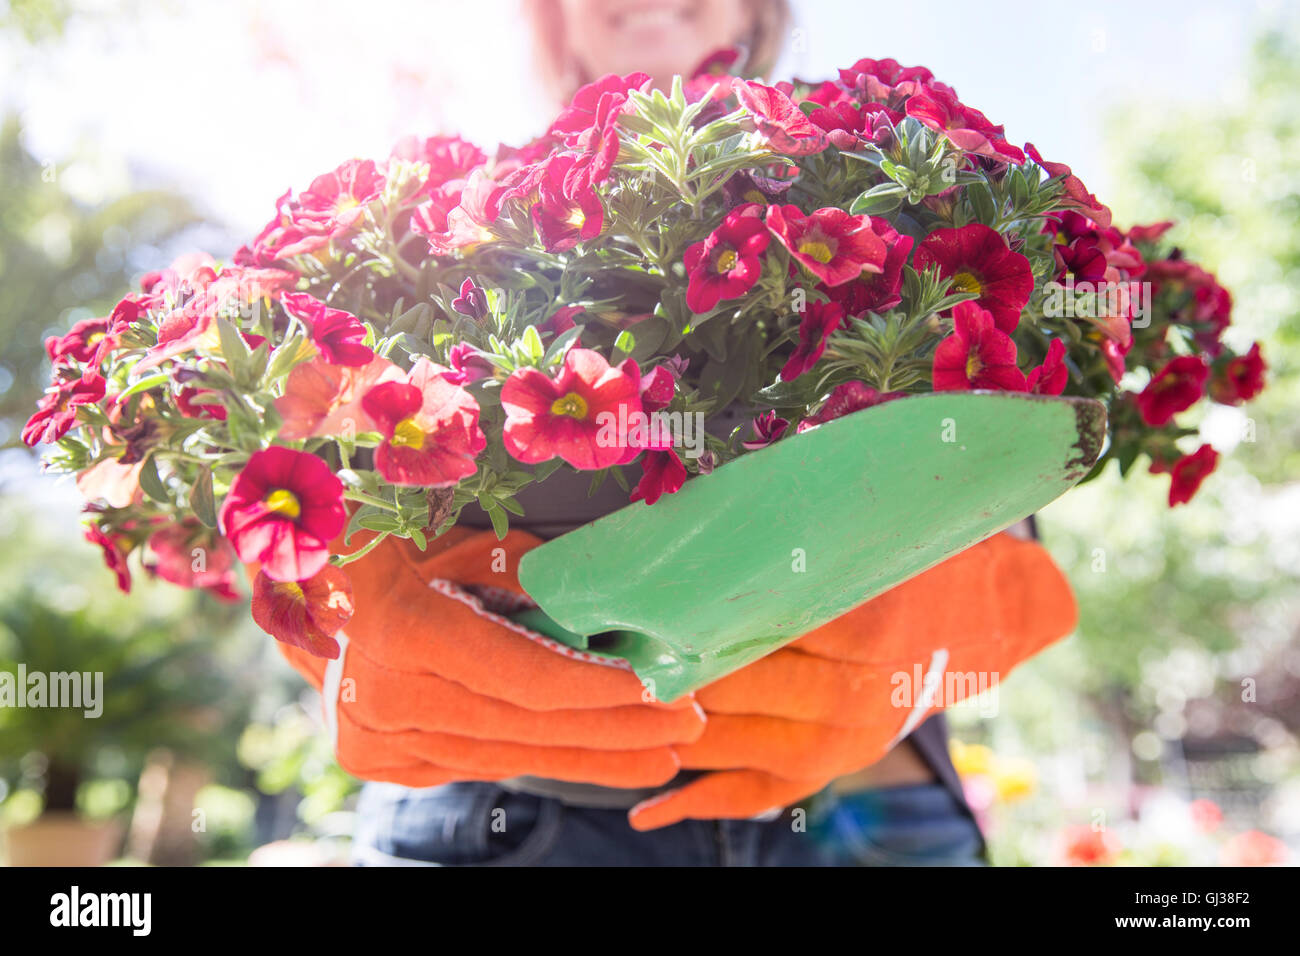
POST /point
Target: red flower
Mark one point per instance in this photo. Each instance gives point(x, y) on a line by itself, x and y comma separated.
point(589, 125)
point(337, 334)
point(1175, 388)
point(1051, 377)
point(466, 365)
point(657, 389)
point(1205, 814)
point(872, 291)
point(323, 399)
point(562, 218)
point(191, 556)
point(430, 426)
point(1187, 473)
point(662, 473)
point(977, 355)
point(340, 197)
point(283, 510)
point(725, 264)
point(845, 399)
point(458, 214)
point(449, 157)
point(819, 321)
point(833, 245)
point(781, 124)
point(1150, 233)
point(472, 301)
point(583, 111)
point(307, 613)
point(1076, 194)
point(81, 344)
point(114, 555)
point(1239, 379)
point(186, 404)
point(966, 128)
point(581, 415)
point(768, 427)
point(978, 261)
point(56, 412)
point(847, 126)
point(1084, 846)
point(886, 81)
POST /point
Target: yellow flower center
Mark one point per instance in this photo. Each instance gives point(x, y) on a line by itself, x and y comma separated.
point(407, 434)
point(285, 503)
point(94, 338)
point(966, 282)
point(816, 250)
point(973, 365)
point(573, 405)
point(289, 589)
point(754, 195)
point(725, 261)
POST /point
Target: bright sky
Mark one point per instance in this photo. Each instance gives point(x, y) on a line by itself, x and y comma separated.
point(234, 108)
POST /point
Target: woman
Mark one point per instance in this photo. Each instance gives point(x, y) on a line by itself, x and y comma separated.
point(906, 808)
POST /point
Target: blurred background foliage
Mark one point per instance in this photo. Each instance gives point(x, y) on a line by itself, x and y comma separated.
point(1184, 675)
point(1163, 732)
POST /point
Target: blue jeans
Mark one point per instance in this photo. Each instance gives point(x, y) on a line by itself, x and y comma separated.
point(482, 824)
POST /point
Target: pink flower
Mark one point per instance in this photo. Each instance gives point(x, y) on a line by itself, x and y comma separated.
point(977, 354)
point(337, 334)
point(340, 197)
point(581, 415)
point(430, 427)
point(467, 365)
point(283, 510)
point(768, 427)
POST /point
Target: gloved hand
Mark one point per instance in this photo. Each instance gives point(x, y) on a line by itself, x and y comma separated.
point(837, 699)
point(432, 687)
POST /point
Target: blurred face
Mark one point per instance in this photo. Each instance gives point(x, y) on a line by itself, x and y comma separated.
point(659, 37)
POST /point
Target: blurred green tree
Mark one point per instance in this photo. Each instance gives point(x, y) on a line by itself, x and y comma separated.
point(61, 261)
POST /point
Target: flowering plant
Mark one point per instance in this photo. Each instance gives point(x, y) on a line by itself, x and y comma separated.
point(407, 336)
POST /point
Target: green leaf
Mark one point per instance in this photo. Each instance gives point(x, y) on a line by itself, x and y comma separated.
point(202, 500)
point(233, 349)
point(151, 483)
point(146, 383)
point(623, 345)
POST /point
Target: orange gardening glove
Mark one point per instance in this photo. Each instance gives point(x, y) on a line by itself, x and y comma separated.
point(432, 687)
point(839, 698)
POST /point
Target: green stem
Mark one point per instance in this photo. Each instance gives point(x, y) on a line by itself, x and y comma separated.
point(361, 552)
point(351, 494)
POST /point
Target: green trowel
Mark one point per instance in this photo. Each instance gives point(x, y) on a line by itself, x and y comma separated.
point(779, 542)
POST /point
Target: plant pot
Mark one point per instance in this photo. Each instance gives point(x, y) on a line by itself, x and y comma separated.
point(61, 838)
point(778, 543)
